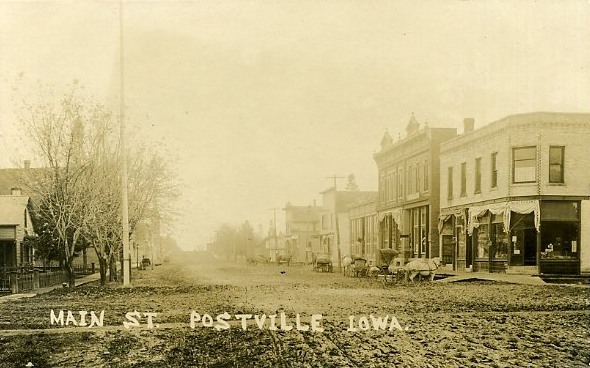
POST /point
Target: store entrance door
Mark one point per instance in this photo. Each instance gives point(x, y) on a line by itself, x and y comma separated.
point(530, 247)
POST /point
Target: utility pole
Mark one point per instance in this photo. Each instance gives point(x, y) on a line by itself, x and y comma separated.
point(336, 215)
point(124, 199)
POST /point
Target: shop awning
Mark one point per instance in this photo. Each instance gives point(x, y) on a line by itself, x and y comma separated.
point(504, 209)
point(396, 214)
point(444, 218)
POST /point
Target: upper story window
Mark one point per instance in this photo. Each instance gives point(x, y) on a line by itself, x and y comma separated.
point(390, 187)
point(450, 182)
point(556, 160)
point(400, 184)
point(494, 167)
point(382, 188)
point(426, 187)
point(410, 177)
point(478, 175)
point(524, 164)
point(419, 177)
point(463, 179)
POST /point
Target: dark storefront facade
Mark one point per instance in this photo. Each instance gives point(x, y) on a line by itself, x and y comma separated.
point(543, 235)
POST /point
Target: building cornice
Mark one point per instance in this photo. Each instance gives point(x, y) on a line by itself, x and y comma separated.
point(574, 122)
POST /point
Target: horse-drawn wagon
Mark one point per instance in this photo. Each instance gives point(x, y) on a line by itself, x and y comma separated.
point(391, 268)
point(322, 263)
point(360, 267)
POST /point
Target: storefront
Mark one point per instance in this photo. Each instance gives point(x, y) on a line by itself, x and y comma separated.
point(504, 234)
point(490, 244)
point(454, 242)
point(419, 230)
point(560, 237)
point(541, 234)
point(389, 231)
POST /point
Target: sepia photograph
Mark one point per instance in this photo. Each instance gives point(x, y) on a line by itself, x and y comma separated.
point(294, 183)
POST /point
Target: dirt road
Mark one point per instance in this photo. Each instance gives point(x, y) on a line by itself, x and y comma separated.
point(269, 316)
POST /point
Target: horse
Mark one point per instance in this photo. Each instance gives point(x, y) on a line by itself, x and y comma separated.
point(284, 259)
point(346, 262)
point(423, 267)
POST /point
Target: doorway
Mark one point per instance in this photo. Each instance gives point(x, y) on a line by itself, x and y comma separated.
point(530, 247)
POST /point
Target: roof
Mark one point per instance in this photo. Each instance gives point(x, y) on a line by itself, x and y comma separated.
point(303, 213)
point(345, 198)
point(12, 209)
point(11, 178)
point(573, 120)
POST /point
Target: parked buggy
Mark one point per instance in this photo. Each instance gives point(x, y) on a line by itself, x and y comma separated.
point(387, 257)
point(360, 267)
point(322, 263)
point(391, 267)
point(145, 263)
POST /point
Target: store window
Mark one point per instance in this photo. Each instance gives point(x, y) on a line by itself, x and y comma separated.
point(499, 240)
point(560, 230)
point(419, 225)
point(483, 240)
point(423, 237)
point(559, 240)
point(416, 229)
point(556, 155)
point(524, 161)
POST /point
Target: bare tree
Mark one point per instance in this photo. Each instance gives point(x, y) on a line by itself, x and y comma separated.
point(57, 130)
point(351, 184)
point(78, 190)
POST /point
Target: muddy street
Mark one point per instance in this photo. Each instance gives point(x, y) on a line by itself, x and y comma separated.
point(209, 313)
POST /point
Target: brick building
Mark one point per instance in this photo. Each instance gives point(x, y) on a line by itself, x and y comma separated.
point(408, 201)
point(515, 193)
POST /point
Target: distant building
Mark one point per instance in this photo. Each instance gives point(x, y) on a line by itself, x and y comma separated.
point(301, 229)
point(334, 233)
point(408, 201)
point(147, 243)
point(515, 193)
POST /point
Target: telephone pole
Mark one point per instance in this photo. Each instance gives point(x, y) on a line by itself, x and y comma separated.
point(334, 177)
point(124, 199)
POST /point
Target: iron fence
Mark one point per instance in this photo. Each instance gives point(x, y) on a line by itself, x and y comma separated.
point(23, 279)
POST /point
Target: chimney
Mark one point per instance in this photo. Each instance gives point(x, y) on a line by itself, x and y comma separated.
point(27, 164)
point(16, 191)
point(468, 124)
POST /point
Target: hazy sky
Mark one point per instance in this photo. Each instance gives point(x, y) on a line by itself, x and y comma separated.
point(259, 101)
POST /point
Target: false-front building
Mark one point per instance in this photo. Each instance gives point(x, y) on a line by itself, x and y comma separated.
point(515, 194)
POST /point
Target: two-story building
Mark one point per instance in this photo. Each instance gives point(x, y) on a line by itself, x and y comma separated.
point(302, 224)
point(364, 229)
point(408, 201)
point(515, 193)
point(334, 233)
